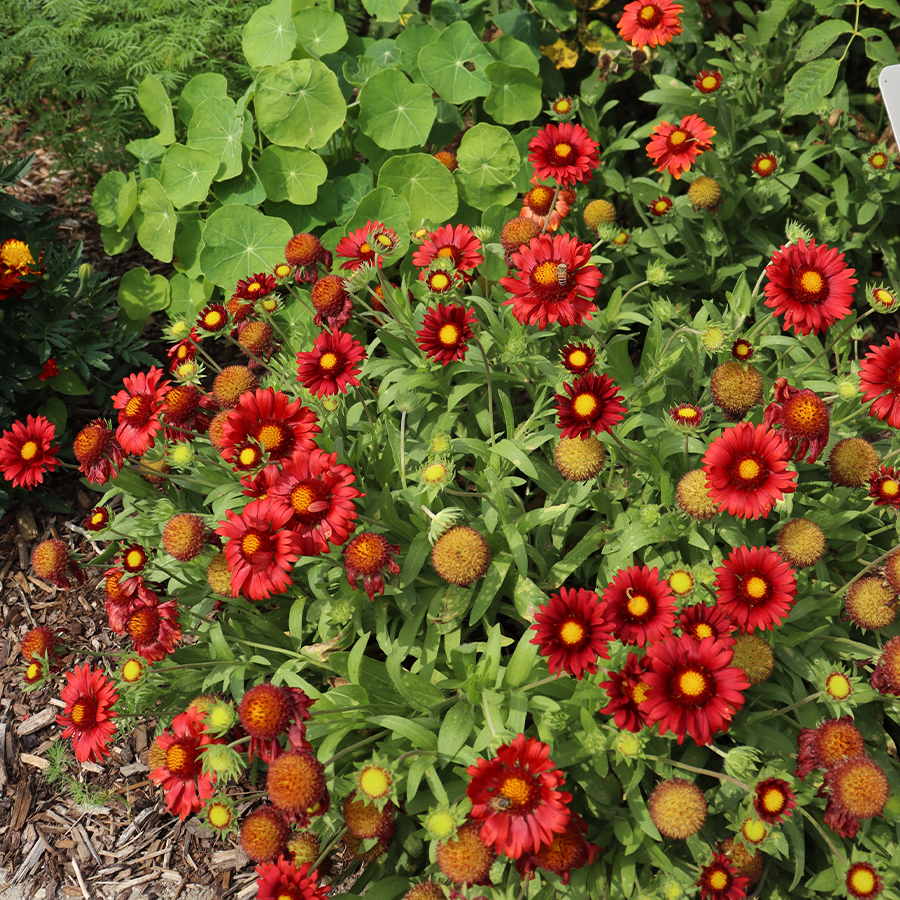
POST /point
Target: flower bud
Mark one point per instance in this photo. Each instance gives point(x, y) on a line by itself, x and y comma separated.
point(795, 232)
point(658, 274)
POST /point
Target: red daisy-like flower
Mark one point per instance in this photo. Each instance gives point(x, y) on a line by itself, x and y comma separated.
point(803, 416)
point(742, 349)
point(639, 606)
point(213, 318)
point(139, 405)
point(364, 246)
point(123, 594)
point(260, 550)
point(457, 244)
point(536, 204)
point(331, 365)
point(261, 484)
point(184, 351)
point(367, 556)
point(256, 286)
point(267, 713)
point(686, 415)
point(49, 369)
point(626, 691)
point(694, 688)
point(650, 22)
point(720, 880)
point(319, 492)
point(571, 631)
point(282, 880)
point(515, 797)
point(708, 82)
point(26, 451)
point(746, 470)
point(181, 775)
point(98, 452)
point(675, 147)
point(564, 153)
point(774, 800)
point(438, 280)
point(702, 622)
point(578, 358)
point(879, 380)
point(884, 487)
point(154, 629)
point(822, 747)
point(764, 165)
point(281, 426)
point(756, 587)
point(446, 332)
point(591, 403)
point(88, 714)
point(568, 850)
point(660, 206)
point(812, 286)
point(553, 282)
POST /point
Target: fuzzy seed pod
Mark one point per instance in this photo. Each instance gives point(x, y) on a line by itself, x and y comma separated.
point(460, 555)
point(184, 536)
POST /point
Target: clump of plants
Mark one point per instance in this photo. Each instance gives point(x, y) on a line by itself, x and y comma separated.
point(525, 521)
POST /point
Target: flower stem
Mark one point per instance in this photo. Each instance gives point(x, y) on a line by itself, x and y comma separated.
point(868, 568)
point(205, 355)
point(490, 393)
point(403, 449)
point(827, 839)
point(687, 768)
point(365, 406)
point(630, 291)
point(799, 703)
point(356, 746)
point(628, 450)
point(328, 849)
point(550, 211)
point(831, 344)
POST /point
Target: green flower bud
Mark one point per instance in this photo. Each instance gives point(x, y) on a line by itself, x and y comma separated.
point(664, 310)
point(555, 720)
point(796, 232)
point(712, 338)
point(627, 745)
point(594, 742)
point(85, 273)
point(649, 514)
point(658, 274)
point(741, 761)
point(483, 232)
point(847, 388)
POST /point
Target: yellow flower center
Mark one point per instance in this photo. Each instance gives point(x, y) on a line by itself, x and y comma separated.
point(756, 587)
point(639, 692)
point(718, 880)
point(748, 469)
point(282, 271)
point(516, 789)
point(97, 518)
point(812, 282)
point(702, 630)
point(621, 239)
point(585, 405)
point(132, 671)
point(270, 436)
point(134, 558)
point(177, 759)
point(29, 450)
point(541, 197)
point(578, 358)
point(661, 206)
point(710, 82)
point(753, 830)
point(563, 106)
point(364, 248)
point(838, 686)
point(773, 800)
point(384, 240)
point(878, 160)
point(677, 137)
point(250, 543)
point(890, 487)
point(862, 881)
point(637, 605)
point(647, 14)
point(439, 281)
point(32, 673)
point(691, 683)
point(445, 252)
point(81, 711)
point(328, 361)
point(885, 298)
point(247, 456)
point(435, 473)
point(212, 318)
point(301, 498)
point(571, 633)
point(448, 335)
point(254, 288)
point(681, 582)
point(219, 815)
point(545, 273)
point(374, 781)
point(562, 150)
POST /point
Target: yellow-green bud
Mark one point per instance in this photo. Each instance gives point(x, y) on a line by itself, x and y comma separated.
point(712, 338)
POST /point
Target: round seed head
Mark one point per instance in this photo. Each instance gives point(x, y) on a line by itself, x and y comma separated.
point(754, 655)
point(366, 821)
point(184, 536)
point(460, 555)
point(305, 848)
point(265, 711)
point(598, 212)
point(296, 782)
point(264, 834)
point(231, 383)
point(704, 193)
point(851, 462)
point(801, 542)
point(466, 859)
point(736, 389)
point(693, 497)
point(678, 808)
point(517, 232)
point(579, 460)
point(871, 603)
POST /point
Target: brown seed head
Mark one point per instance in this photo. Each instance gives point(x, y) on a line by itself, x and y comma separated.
point(598, 212)
point(753, 654)
point(264, 834)
point(231, 383)
point(851, 462)
point(579, 460)
point(736, 389)
point(871, 603)
point(184, 536)
point(460, 555)
point(677, 808)
point(801, 542)
point(693, 497)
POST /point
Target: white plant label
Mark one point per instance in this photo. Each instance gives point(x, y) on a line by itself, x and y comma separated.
point(889, 82)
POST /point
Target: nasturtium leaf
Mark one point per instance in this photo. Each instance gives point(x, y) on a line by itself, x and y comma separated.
point(809, 86)
point(349, 190)
point(157, 108)
point(188, 241)
point(141, 294)
point(410, 41)
point(561, 14)
point(514, 53)
point(425, 183)
point(146, 150)
point(299, 104)
point(443, 64)
point(447, 125)
point(238, 241)
point(358, 71)
point(248, 132)
point(336, 63)
point(385, 206)
point(320, 31)
point(188, 297)
point(522, 26)
point(215, 128)
point(385, 52)
point(186, 174)
point(155, 220)
point(127, 202)
point(515, 94)
point(208, 84)
point(117, 241)
point(106, 198)
point(244, 188)
point(269, 37)
point(293, 175)
point(384, 10)
point(488, 162)
point(395, 113)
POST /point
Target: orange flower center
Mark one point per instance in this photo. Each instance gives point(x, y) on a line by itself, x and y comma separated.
point(677, 137)
point(578, 358)
point(545, 273)
point(328, 362)
point(692, 683)
point(250, 543)
point(301, 497)
point(446, 252)
point(367, 553)
point(305, 496)
point(29, 450)
point(180, 759)
point(639, 692)
point(562, 150)
point(585, 405)
point(748, 469)
point(144, 624)
point(271, 437)
point(637, 605)
point(137, 410)
point(718, 879)
point(449, 335)
point(439, 282)
point(84, 711)
point(756, 587)
point(572, 633)
point(539, 199)
point(773, 800)
point(364, 248)
point(703, 630)
point(812, 281)
point(517, 790)
point(710, 82)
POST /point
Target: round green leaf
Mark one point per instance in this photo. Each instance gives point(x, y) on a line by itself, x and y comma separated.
point(410, 41)
point(384, 206)
point(384, 10)
point(157, 108)
point(320, 31)
point(443, 64)
point(115, 241)
point(155, 219)
point(240, 240)
point(146, 150)
point(187, 173)
point(215, 128)
point(269, 37)
point(188, 298)
point(209, 84)
point(514, 53)
point(395, 113)
point(141, 293)
point(515, 94)
point(385, 52)
point(293, 175)
point(425, 184)
point(188, 241)
point(106, 198)
point(488, 162)
point(127, 202)
point(69, 382)
point(245, 188)
point(299, 104)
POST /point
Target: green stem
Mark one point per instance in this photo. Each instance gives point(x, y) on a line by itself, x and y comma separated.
point(648, 226)
point(490, 393)
point(550, 211)
point(356, 746)
point(868, 568)
point(832, 344)
point(827, 839)
point(415, 753)
point(365, 406)
point(328, 849)
point(205, 355)
point(687, 768)
point(630, 291)
point(797, 705)
point(628, 450)
point(403, 449)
